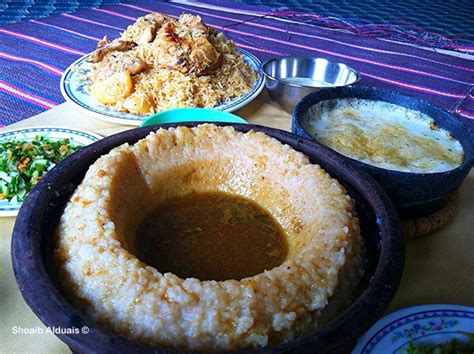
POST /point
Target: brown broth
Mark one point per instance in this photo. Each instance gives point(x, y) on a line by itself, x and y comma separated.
point(211, 236)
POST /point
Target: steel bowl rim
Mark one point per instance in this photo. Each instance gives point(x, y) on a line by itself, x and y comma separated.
point(345, 66)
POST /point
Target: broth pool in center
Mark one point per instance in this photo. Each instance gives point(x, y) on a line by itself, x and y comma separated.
point(211, 236)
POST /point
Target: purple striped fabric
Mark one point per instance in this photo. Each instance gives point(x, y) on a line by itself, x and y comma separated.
point(33, 54)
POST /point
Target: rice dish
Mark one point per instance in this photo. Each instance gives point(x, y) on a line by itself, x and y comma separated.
point(160, 63)
point(101, 276)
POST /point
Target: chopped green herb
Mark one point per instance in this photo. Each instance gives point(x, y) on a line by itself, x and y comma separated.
point(23, 163)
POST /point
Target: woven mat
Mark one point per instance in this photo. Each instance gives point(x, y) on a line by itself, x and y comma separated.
point(455, 20)
point(426, 225)
point(34, 53)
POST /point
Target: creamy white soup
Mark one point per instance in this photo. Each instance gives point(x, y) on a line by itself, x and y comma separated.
point(384, 135)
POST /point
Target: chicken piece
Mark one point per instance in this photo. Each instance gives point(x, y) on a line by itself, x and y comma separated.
point(195, 24)
point(113, 88)
point(204, 58)
point(169, 49)
point(115, 46)
point(144, 29)
point(186, 48)
point(118, 62)
point(128, 62)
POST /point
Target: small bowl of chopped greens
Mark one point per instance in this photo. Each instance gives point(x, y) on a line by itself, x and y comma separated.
point(27, 154)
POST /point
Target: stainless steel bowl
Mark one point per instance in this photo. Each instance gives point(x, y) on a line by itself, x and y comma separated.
point(289, 79)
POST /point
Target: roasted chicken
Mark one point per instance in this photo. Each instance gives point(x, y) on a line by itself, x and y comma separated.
point(117, 62)
point(105, 48)
point(144, 30)
point(181, 44)
point(184, 45)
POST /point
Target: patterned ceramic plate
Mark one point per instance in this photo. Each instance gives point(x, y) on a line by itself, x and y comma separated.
point(73, 90)
point(428, 325)
point(78, 137)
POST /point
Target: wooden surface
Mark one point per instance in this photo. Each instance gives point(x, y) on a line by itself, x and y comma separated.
point(438, 268)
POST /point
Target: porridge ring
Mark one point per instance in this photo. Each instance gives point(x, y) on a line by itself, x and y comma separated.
point(100, 275)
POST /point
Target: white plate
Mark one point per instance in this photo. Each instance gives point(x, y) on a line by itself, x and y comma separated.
point(78, 137)
point(74, 91)
point(427, 324)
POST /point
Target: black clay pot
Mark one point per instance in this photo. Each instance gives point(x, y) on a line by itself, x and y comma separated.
point(34, 270)
point(413, 194)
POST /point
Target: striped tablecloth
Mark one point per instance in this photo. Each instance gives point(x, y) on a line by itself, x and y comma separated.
point(33, 54)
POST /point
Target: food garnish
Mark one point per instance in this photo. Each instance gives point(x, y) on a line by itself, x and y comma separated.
point(23, 163)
